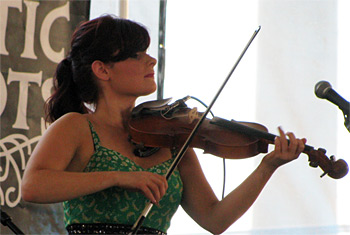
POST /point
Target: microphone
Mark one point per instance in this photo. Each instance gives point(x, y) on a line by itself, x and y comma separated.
point(323, 90)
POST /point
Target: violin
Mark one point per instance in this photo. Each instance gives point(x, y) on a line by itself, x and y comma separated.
point(163, 125)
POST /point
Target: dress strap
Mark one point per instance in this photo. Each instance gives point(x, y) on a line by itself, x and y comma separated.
point(95, 137)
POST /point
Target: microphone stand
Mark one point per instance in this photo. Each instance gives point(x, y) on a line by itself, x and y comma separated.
point(161, 48)
point(184, 148)
point(7, 221)
point(347, 121)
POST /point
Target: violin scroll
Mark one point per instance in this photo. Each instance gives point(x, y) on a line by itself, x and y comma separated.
point(336, 169)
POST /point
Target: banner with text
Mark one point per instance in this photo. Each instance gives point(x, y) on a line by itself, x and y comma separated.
point(34, 38)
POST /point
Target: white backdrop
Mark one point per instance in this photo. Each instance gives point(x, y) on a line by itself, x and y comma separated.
point(301, 42)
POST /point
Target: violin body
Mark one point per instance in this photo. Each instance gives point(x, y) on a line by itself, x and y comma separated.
point(156, 131)
point(158, 124)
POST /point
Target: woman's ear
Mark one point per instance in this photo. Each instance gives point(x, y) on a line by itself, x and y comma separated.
point(100, 70)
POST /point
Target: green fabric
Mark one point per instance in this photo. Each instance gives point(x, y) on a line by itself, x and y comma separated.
point(120, 206)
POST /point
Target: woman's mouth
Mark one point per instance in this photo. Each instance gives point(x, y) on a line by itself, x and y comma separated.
point(150, 75)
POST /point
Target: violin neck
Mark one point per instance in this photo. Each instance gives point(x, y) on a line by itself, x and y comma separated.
point(250, 131)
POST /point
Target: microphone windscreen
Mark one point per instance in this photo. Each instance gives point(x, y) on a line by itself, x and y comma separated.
point(321, 89)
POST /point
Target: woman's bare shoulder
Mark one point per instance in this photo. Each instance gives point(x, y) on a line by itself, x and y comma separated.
point(72, 117)
point(61, 142)
point(70, 120)
point(69, 126)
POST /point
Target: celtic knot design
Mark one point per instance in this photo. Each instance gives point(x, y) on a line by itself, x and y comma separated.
point(19, 143)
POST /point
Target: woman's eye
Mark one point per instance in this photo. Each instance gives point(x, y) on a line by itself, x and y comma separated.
point(135, 56)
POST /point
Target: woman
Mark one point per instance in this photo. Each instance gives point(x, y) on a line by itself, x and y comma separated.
point(85, 160)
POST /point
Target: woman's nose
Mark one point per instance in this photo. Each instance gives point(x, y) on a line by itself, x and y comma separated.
point(153, 61)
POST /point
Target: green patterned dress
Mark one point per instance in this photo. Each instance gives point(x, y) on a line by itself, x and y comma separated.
point(119, 206)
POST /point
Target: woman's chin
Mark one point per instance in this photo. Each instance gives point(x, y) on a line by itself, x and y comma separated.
point(149, 91)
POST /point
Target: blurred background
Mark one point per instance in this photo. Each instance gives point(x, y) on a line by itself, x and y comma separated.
point(301, 42)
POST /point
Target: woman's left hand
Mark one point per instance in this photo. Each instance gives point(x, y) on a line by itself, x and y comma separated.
point(285, 150)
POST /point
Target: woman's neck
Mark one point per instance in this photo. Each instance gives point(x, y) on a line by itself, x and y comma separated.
point(114, 112)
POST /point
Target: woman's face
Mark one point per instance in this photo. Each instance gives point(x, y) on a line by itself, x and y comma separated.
point(134, 76)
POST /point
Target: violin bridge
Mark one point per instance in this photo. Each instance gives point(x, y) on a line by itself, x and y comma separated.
point(193, 115)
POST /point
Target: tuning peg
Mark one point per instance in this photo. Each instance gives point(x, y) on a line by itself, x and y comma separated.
point(313, 164)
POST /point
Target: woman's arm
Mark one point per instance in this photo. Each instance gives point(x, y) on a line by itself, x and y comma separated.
point(47, 178)
point(200, 202)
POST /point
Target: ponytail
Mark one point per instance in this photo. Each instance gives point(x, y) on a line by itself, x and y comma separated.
point(106, 38)
point(65, 97)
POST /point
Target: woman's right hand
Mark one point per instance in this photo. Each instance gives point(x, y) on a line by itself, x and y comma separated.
point(152, 185)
